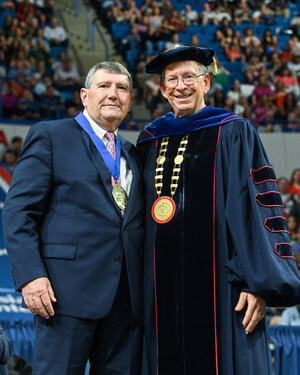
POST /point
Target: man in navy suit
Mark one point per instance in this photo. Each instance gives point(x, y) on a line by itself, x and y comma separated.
point(73, 223)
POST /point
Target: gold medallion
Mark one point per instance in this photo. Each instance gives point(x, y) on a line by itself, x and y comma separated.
point(178, 159)
point(163, 209)
point(120, 196)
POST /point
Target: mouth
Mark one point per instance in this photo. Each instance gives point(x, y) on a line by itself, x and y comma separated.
point(182, 97)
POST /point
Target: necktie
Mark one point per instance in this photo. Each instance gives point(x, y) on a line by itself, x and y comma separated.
point(111, 146)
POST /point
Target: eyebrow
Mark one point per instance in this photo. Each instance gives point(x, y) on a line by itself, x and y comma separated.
point(111, 82)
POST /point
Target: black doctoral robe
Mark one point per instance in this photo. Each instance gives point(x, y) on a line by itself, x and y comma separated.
point(228, 235)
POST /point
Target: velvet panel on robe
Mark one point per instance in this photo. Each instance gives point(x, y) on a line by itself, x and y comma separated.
point(252, 249)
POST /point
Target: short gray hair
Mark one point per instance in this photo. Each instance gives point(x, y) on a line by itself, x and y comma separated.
point(202, 69)
point(111, 67)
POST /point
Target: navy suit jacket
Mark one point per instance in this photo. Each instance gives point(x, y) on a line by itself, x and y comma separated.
point(60, 221)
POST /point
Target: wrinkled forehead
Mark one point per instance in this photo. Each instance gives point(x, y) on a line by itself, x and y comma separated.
point(181, 67)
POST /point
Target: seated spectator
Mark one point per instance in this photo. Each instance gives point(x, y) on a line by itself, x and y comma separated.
point(9, 160)
point(151, 41)
point(233, 52)
point(75, 101)
point(242, 12)
point(165, 33)
point(156, 18)
point(67, 76)
point(39, 52)
point(263, 16)
point(248, 38)
point(25, 9)
point(252, 69)
point(56, 34)
point(280, 8)
point(289, 106)
point(189, 16)
point(167, 9)
point(293, 124)
point(176, 22)
point(194, 41)
point(206, 15)
point(280, 94)
point(44, 20)
point(262, 107)
point(294, 65)
point(220, 14)
point(116, 13)
point(248, 113)
point(51, 108)
point(132, 12)
point(62, 57)
point(291, 316)
point(287, 52)
point(293, 225)
point(274, 64)
point(43, 83)
point(8, 99)
point(271, 47)
point(19, 64)
point(174, 40)
point(133, 40)
point(16, 144)
point(235, 92)
point(262, 87)
point(290, 81)
point(253, 49)
point(240, 106)
point(151, 91)
point(295, 182)
point(26, 108)
point(296, 245)
point(218, 98)
point(288, 199)
point(225, 32)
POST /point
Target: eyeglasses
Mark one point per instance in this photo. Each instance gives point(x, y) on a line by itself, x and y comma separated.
point(189, 79)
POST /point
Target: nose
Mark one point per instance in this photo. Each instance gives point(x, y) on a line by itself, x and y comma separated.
point(112, 92)
point(180, 83)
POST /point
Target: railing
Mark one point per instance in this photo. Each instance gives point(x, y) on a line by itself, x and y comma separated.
point(92, 26)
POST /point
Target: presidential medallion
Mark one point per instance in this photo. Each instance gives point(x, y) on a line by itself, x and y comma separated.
point(163, 209)
point(120, 196)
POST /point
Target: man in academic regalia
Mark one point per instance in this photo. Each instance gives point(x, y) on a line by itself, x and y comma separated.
point(217, 243)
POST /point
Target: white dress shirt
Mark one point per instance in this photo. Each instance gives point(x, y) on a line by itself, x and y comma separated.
point(125, 172)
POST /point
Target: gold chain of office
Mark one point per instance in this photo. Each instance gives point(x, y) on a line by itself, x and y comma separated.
point(164, 207)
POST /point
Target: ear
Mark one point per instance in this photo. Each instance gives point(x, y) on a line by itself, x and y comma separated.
point(83, 96)
point(162, 89)
point(131, 100)
point(206, 81)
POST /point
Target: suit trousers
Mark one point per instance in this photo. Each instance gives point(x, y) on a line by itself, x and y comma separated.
point(113, 344)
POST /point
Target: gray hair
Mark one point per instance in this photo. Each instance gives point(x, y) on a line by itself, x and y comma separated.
point(111, 67)
point(202, 69)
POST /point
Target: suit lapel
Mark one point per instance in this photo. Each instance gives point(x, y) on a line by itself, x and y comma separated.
point(101, 167)
point(126, 146)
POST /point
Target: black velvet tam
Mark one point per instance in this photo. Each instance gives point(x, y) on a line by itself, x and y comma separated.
point(159, 63)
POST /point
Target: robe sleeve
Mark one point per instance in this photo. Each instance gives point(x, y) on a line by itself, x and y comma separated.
point(262, 260)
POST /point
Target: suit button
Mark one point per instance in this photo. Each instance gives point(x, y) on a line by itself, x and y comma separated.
point(118, 259)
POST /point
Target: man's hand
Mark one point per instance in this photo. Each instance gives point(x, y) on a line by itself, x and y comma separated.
point(38, 296)
point(255, 310)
